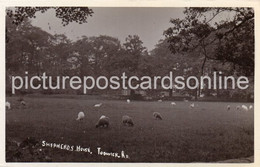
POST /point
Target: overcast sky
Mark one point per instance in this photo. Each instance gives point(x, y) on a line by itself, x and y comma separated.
point(148, 23)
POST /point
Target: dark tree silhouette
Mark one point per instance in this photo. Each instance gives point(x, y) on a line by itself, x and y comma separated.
point(67, 14)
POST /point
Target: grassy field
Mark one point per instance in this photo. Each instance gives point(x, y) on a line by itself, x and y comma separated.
point(206, 133)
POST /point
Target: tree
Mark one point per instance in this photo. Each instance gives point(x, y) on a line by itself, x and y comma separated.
point(135, 49)
point(67, 14)
point(31, 49)
point(58, 61)
point(226, 41)
point(26, 48)
point(97, 54)
point(215, 38)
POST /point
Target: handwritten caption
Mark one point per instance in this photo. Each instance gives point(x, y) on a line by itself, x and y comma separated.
point(78, 148)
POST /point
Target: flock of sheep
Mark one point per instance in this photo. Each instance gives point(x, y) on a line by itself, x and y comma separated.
point(127, 120)
point(241, 108)
point(104, 120)
point(8, 104)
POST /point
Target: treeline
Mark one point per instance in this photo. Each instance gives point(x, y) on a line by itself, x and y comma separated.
point(29, 48)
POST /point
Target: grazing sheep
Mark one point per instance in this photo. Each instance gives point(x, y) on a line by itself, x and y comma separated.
point(228, 107)
point(192, 105)
point(157, 115)
point(160, 101)
point(81, 115)
point(244, 107)
point(250, 107)
point(8, 105)
point(128, 101)
point(186, 100)
point(98, 105)
point(173, 103)
point(23, 103)
point(102, 122)
point(102, 116)
point(127, 120)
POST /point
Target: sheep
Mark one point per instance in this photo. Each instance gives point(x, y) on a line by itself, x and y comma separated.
point(102, 116)
point(228, 107)
point(173, 103)
point(244, 107)
point(102, 122)
point(128, 101)
point(98, 105)
point(127, 120)
point(81, 115)
point(23, 103)
point(160, 101)
point(157, 115)
point(250, 107)
point(8, 105)
point(192, 105)
point(186, 100)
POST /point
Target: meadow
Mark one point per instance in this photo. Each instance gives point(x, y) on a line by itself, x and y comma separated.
point(205, 133)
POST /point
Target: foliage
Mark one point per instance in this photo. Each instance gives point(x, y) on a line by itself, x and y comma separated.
point(204, 31)
point(192, 47)
point(66, 14)
point(135, 50)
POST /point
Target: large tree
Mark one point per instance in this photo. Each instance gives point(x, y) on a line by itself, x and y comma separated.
point(135, 50)
point(208, 32)
point(96, 55)
point(26, 48)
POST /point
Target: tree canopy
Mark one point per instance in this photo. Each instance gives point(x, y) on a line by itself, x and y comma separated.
point(66, 14)
point(204, 32)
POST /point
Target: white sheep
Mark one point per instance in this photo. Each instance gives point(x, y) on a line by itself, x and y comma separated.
point(23, 103)
point(186, 100)
point(250, 107)
point(228, 107)
point(192, 105)
point(160, 101)
point(127, 120)
point(173, 103)
point(244, 107)
point(128, 101)
point(102, 122)
point(157, 115)
point(8, 105)
point(81, 115)
point(98, 105)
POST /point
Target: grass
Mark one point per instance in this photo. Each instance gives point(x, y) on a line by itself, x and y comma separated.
point(206, 133)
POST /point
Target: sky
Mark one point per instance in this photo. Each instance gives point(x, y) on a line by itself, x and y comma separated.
point(147, 23)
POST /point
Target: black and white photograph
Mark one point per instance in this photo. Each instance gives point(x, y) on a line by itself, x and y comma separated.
point(129, 84)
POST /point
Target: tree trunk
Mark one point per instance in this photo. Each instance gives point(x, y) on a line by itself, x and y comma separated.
point(203, 65)
point(170, 93)
point(202, 72)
